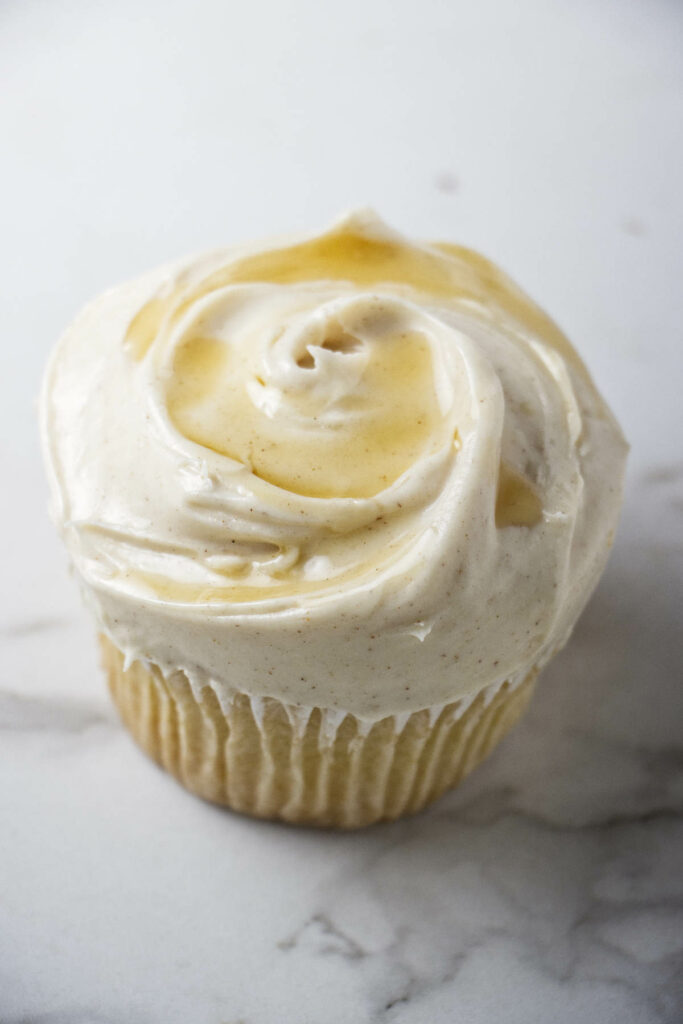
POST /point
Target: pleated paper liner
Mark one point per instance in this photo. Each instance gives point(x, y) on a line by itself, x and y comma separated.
point(314, 767)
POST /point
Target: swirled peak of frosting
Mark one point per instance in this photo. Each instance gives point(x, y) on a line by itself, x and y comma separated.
point(346, 470)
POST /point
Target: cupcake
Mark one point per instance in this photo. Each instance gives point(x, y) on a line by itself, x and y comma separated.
point(334, 501)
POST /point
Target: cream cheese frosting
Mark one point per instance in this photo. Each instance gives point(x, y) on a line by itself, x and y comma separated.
point(346, 470)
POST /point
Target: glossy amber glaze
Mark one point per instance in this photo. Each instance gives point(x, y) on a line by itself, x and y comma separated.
point(387, 420)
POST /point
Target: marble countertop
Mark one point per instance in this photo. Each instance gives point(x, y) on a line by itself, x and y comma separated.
point(549, 886)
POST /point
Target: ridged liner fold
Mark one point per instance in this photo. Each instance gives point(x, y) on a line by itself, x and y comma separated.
point(310, 766)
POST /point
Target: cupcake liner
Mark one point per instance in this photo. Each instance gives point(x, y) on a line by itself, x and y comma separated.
point(310, 766)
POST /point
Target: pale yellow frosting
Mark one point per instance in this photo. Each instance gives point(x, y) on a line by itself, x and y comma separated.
point(345, 470)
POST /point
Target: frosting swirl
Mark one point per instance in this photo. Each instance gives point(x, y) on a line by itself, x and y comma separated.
point(347, 470)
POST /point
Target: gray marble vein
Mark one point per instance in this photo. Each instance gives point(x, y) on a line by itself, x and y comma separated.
point(64, 1017)
point(548, 889)
point(21, 714)
point(31, 626)
point(546, 903)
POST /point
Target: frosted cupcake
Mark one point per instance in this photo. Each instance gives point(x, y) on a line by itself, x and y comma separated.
point(334, 501)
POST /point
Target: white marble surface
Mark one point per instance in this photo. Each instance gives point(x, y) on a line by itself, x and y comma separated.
point(549, 888)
